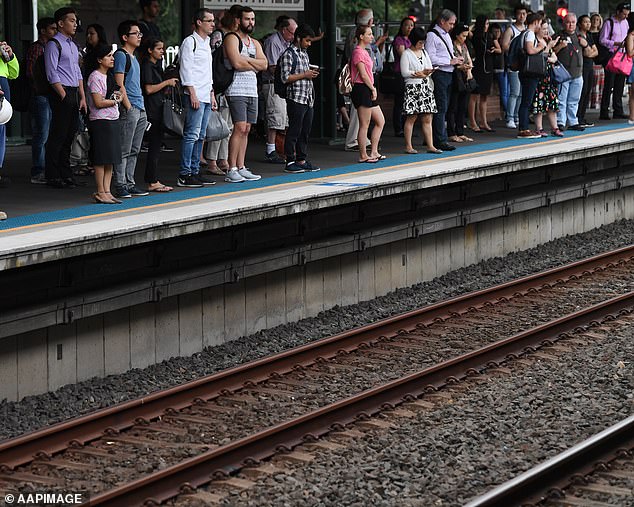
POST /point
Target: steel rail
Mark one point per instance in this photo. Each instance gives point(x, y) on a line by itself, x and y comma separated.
point(533, 486)
point(83, 429)
point(195, 472)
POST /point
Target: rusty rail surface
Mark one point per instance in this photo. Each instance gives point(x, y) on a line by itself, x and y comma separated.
point(533, 486)
point(83, 429)
point(195, 472)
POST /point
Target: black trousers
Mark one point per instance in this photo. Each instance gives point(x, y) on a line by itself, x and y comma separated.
point(155, 140)
point(586, 91)
point(397, 110)
point(64, 121)
point(300, 122)
point(612, 85)
point(456, 112)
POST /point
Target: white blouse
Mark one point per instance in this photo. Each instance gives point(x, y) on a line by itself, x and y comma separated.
point(410, 63)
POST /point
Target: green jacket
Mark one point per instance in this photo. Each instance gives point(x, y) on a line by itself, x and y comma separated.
point(10, 70)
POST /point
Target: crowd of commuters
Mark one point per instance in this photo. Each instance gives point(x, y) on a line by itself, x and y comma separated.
point(445, 76)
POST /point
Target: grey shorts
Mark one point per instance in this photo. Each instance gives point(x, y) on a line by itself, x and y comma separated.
point(243, 109)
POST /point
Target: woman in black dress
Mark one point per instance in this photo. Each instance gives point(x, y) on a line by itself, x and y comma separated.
point(153, 85)
point(485, 48)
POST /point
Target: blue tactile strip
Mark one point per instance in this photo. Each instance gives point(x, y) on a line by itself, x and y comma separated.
point(72, 214)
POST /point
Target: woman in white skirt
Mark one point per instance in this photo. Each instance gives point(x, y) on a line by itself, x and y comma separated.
point(419, 100)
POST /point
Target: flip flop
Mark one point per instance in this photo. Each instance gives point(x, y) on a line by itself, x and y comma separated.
point(369, 161)
point(162, 188)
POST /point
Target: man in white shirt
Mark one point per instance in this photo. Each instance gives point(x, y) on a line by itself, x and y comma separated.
point(196, 77)
point(439, 46)
point(515, 88)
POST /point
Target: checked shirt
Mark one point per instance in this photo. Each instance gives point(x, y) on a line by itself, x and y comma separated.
point(302, 90)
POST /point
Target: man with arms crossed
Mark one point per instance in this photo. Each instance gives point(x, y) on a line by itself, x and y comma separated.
point(242, 94)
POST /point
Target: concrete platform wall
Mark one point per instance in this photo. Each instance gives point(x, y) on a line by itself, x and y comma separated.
point(142, 335)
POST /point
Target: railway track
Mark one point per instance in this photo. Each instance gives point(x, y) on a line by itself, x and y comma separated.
point(219, 423)
point(577, 476)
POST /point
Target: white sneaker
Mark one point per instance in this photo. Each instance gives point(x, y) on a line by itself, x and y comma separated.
point(248, 175)
point(511, 124)
point(233, 176)
point(630, 122)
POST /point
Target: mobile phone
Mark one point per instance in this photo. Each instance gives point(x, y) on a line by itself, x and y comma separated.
point(313, 67)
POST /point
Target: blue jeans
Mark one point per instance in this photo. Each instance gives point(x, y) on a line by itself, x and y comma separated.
point(442, 91)
point(194, 131)
point(529, 87)
point(503, 85)
point(4, 84)
point(515, 93)
point(569, 95)
point(40, 110)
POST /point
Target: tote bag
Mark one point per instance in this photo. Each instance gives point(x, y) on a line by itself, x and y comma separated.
point(217, 128)
point(620, 63)
point(559, 73)
point(173, 112)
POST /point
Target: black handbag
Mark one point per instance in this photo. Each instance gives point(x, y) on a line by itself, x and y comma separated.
point(389, 82)
point(462, 83)
point(534, 65)
point(173, 111)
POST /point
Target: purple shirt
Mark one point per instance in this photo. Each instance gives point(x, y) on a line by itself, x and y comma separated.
point(618, 33)
point(399, 40)
point(65, 69)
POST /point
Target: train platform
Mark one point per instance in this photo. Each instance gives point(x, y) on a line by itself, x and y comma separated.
point(45, 218)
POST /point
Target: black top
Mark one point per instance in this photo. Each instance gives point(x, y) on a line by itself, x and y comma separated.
point(152, 73)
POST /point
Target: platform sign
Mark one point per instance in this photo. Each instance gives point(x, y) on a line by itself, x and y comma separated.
point(258, 5)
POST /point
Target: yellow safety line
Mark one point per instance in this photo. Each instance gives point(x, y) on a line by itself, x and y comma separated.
point(294, 183)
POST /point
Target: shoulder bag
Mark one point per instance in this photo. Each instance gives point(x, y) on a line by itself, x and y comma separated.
point(559, 73)
point(217, 127)
point(620, 63)
point(173, 111)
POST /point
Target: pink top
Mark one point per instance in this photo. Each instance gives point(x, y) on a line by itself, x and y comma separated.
point(97, 84)
point(360, 55)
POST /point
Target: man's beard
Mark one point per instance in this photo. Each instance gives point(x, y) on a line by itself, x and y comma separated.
point(247, 29)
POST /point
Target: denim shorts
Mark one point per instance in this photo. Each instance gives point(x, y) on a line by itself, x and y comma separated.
point(243, 109)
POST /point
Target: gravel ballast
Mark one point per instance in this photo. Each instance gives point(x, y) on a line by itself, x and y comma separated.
point(69, 401)
point(480, 438)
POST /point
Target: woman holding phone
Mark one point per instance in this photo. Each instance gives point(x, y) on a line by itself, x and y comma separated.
point(364, 95)
point(419, 100)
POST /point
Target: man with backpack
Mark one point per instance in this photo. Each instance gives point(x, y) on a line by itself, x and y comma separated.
point(612, 34)
point(132, 117)
point(276, 117)
point(246, 58)
point(196, 78)
point(297, 75)
point(39, 106)
point(149, 13)
point(515, 89)
point(61, 60)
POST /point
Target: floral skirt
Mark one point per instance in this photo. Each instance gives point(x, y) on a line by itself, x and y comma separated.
point(419, 98)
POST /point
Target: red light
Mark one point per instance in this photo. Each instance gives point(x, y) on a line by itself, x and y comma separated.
point(562, 12)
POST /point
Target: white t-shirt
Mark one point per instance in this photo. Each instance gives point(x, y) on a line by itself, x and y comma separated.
point(530, 37)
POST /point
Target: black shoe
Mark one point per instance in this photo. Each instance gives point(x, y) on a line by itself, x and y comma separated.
point(620, 116)
point(604, 116)
point(166, 149)
point(445, 147)
point(188, 181)
point(294, 168)
point(135, 191)
point(55, 183)
point(561, 127)
point(72, 182)
point(399, 134)
point(577, 127)
point(586, 124)
point(274, 158)
point(205, 180)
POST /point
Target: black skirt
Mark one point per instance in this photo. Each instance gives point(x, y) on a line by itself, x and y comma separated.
point(105, 142)
point(361, 96)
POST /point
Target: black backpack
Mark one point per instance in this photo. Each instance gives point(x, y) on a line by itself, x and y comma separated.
point(110, 79)
point(517, 53)
point(173, 69)
point(40, 81)
point(280, 86)
point(223, 76)
point(21, 89)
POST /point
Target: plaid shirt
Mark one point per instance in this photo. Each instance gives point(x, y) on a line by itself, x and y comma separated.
point(302, 90)
point(35, 50)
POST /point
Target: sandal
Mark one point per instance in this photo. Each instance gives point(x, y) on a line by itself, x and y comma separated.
point(369, 161)
point(411, 151)
point(475, 129)
point(435, 151)
point(113, 199)
point(456, 139)
point(160, 188)
point(466, 139)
